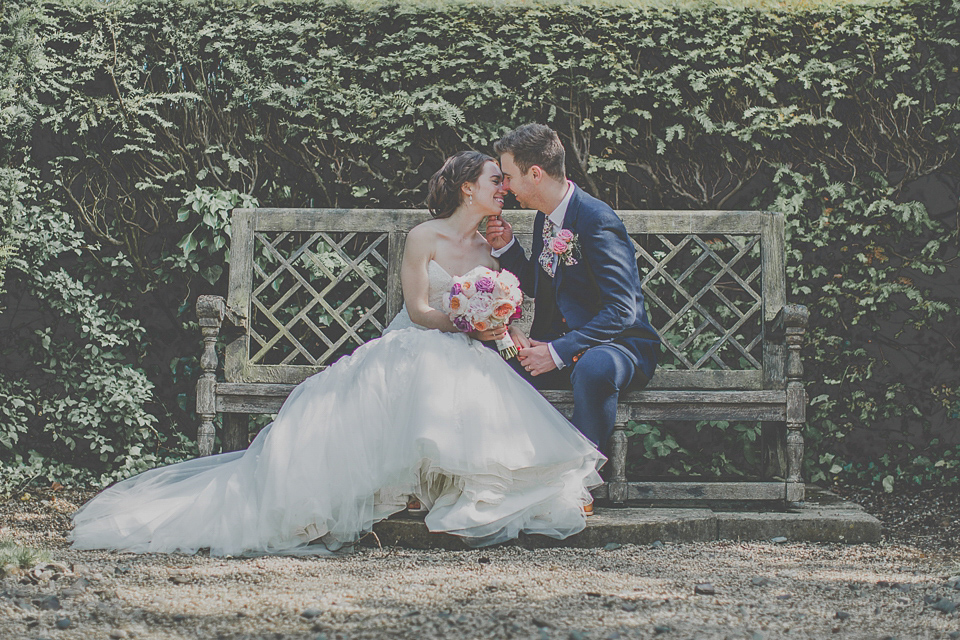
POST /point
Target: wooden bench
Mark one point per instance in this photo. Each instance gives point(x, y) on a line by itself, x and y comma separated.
point(308, 286)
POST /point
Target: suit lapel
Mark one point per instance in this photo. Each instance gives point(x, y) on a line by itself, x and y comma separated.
point(537, 245)
point(569, 222)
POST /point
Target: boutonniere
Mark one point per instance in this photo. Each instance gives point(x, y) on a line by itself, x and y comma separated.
point(566, 246)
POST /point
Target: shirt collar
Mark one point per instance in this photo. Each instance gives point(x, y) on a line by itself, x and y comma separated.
point(558, 214)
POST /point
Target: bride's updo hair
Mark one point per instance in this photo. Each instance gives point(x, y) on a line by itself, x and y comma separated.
point(444, 193)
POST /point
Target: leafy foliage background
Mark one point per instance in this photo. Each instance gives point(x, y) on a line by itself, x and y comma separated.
point(127, 130)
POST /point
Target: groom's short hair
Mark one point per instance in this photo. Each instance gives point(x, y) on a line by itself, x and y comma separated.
point(534, 144)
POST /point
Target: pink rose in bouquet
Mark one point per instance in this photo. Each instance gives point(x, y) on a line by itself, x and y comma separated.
point(484, 284)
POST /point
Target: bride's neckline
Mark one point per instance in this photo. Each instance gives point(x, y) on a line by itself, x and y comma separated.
point(445, 271)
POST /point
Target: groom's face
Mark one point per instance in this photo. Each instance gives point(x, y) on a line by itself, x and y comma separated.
point(521, 185)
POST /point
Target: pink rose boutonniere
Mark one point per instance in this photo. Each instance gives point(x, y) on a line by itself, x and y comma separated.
point(567, 247)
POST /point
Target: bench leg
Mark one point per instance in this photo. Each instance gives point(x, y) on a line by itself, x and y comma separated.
point(210, 312)
point(236, 431)
point(617, 488)
point(207, 393)
point(796, 410)
point(773, 450)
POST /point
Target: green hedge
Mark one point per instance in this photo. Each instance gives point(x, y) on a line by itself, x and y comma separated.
point(127, 126)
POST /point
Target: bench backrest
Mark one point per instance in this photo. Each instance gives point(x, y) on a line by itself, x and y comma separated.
point(316, 283)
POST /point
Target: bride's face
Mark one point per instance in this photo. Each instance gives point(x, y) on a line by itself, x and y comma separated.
point(488, 191)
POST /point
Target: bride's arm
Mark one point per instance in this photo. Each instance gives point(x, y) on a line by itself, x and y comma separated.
point(415, 280)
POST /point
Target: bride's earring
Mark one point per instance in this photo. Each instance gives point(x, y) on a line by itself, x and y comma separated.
point(471, 199)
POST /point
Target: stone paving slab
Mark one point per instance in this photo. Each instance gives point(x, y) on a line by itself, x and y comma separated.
point(822, 518)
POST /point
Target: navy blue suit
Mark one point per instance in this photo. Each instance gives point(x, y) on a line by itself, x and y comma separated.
point(592, 313)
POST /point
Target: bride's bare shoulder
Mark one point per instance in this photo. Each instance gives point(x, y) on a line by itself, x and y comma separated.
point(428, 231)
point(422, 239)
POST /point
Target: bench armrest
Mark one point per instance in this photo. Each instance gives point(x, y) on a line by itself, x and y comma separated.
point(792, 318)
point(211, 311)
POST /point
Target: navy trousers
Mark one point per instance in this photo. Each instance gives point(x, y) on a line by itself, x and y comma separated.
point(597, 379)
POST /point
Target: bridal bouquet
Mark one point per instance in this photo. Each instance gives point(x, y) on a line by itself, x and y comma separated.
point(486, 299)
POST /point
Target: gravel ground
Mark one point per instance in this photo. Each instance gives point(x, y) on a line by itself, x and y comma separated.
point(895, 589)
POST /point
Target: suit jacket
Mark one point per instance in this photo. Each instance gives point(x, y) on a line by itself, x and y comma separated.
point(598, 300)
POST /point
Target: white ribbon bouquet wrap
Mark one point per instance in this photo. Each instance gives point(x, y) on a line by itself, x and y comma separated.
point(484, 299)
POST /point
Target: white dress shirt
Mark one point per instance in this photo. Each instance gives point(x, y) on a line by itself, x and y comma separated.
point(556, 217)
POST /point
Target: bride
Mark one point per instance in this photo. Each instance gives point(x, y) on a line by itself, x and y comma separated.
point(424, 411)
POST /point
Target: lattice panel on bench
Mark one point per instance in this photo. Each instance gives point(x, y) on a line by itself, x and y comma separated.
point(316, 296)
point(703, 294)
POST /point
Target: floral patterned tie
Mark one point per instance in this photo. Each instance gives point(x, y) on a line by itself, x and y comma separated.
point(548, 259)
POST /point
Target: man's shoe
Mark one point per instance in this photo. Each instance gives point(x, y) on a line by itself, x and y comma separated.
point(415, 507)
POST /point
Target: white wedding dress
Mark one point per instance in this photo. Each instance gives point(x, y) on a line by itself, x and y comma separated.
point(416, 412)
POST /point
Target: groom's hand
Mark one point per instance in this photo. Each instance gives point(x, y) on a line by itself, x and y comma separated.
point(499, 232)
point(537, 358)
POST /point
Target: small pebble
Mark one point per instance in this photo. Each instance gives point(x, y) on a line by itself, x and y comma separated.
point(945, 605)
point(483, 560)
point(612, 546)
point(577, 635)
point(842, 616)
point(310, 614)
point(756, 635)
point(48, 603)
point(118, 634)
point(629, 606)
point(953, 635)
point(543, 624)
point(778, 540)
point(661, 628)
point(705, 589)
point(656, 545)
point(783, 596)
point(181, 579)
point(759, 582)
point(63, 623)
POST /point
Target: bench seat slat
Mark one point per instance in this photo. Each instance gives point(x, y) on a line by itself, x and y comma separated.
point(635, 405)
point(736, 491)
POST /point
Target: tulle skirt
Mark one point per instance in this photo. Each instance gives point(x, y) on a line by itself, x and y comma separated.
point(415, 413)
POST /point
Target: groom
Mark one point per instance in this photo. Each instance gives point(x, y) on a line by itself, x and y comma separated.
point(590, 327)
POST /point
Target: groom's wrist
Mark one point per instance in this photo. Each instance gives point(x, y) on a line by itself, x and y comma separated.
point(496, 253)
point(556, 358)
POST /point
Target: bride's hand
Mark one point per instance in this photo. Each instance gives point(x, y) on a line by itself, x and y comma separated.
point(520, 339)
point(488, 334)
